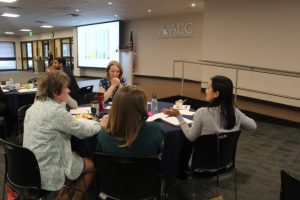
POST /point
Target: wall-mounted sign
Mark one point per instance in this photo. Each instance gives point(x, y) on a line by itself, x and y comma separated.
point(184, 29)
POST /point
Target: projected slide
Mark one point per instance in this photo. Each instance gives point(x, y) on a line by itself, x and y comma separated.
point(98, 44)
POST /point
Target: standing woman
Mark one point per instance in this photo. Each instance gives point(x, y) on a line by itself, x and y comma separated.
point(48, 128)
point(113, 81)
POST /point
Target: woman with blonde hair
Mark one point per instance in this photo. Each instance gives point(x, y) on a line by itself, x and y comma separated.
point(127, 133)
point(48, 128)
point(113, 81)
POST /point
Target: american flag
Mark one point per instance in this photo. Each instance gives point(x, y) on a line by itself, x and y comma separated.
point(130, 46)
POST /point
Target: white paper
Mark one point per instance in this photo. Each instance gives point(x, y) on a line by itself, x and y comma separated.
point(107, 107)
point(5, 90)
point(186, 112)
point(27, 90)
point(171, 120)
point(80, 110)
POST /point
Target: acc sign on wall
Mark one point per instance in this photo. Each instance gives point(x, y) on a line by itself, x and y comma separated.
point(176, 30)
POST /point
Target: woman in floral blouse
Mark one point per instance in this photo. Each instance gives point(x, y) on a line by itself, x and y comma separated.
point(113, 81)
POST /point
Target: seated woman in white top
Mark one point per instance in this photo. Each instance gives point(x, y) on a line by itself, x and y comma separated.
point(220, 115)
point(48, 128)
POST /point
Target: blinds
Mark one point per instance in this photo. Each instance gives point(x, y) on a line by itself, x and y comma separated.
point(7, 50)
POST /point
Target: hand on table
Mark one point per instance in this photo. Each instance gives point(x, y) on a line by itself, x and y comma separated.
point(103, 121)
point(171, 112)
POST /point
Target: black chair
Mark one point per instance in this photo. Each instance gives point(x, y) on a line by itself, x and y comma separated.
point(32, 80)
point(290, 187)
point(21, 115)
point(214, 155)
point(22, 172)
point(88, 97)
point(127, 178)
point(3, 127)
point(85, 90)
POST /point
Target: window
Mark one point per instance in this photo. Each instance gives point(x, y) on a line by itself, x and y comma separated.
point(7, 56)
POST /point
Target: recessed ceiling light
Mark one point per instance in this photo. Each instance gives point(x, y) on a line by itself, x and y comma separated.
point(149, 10)
point(9, 33)
point(25, 30)
point(10, 15)
point(77, 10)
point(193, 4)
point(116, 15)
point(8, 1)
point(46, 26)
point(109, 3)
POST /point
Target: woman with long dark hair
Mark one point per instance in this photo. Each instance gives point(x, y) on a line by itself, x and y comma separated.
point(220, 115)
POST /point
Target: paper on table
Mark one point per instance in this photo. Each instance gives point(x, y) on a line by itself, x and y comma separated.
point(5, 90)
point(80, 110)
point(107, 107)
point(27, 90)
point(186, 112)
point(171, 120)
point(174, 121)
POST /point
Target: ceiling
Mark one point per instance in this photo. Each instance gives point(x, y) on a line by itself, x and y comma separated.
point(34, 13)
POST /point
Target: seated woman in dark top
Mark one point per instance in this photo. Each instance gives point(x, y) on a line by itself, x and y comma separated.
point(113, 81)
point(127, 133)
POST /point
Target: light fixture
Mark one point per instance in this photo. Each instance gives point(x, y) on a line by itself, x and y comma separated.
point(109, 3)
point(149, 10)
point(10, 15)
point(116, 16)
point(9, 33)
point(77, 10)
point(193, 4)
point(25, 30)
point(46, 26)
point(8, 1)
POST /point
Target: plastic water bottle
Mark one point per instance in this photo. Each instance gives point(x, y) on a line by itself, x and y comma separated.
point(154, 104)
point(11, 84)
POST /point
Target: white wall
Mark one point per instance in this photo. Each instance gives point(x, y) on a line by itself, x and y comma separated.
point(261, 33)
point(155, 54)
point(16, 40)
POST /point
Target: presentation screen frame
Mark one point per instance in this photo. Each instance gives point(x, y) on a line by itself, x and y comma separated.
point(98, 44)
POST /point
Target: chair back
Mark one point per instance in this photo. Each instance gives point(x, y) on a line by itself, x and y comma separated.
point(290, 187)
point(88, 97)
point(21, 116)
point(214, 154)
point(85, 90)
point(127, 178)
point(22, 170)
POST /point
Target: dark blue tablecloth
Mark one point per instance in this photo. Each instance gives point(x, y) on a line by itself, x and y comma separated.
point(174, 145)
point(17, 99)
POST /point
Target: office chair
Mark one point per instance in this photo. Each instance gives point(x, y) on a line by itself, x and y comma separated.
point(21, 115)
point(214, 155)
point(22, 172)
point(88, 97)
point(85, 90)
point(3, 127)
point(290, 187)
point(127, 178)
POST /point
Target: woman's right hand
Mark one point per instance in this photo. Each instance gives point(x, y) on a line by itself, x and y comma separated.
point(115, 82)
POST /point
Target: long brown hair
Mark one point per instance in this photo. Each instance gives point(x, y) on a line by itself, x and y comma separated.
point(51, 83)
point(127, 114)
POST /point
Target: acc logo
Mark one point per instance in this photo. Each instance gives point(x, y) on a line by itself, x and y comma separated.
point(176, 30)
